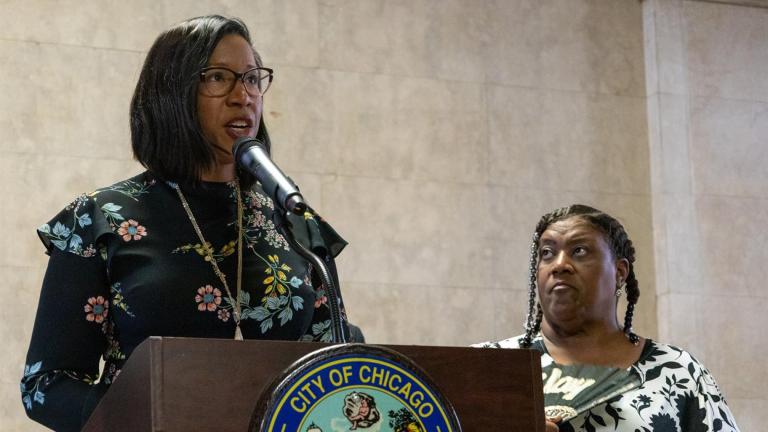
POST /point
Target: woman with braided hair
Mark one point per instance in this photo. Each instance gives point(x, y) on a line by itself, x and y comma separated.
point(598, 374)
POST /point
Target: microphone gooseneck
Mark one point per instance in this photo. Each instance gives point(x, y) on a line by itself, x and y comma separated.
point(251, 155)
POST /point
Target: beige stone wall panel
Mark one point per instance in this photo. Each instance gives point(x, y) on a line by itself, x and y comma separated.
point(729, 146)
point(67, 101)
point(411, 232)
point(134, 25)
point(300, 112)
point(682, 329)
point(734, 345)
point(411, 128)
point(422, 38)
point(732, 235)
point(727, 51)
point(432, 315)
point(579, 45)
point(551, 140)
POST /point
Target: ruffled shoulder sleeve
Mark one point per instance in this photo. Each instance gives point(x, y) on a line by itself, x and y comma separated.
point(79, 228)
point(85, 223)
point(315, 233)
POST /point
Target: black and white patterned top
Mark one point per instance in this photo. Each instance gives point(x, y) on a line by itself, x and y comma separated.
point(676, 393)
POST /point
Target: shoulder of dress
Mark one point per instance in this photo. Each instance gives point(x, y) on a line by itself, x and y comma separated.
point(144, 179)
point(665, 356)
point(81, 224)
point(674, 351)
point(133, 187)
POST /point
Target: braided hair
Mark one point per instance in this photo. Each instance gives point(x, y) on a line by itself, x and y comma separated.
point(620, 244)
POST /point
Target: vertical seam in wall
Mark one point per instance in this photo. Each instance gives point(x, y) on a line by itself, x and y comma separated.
point(318, 41)
point(687, 106)
point(691, 177)
point(688, 122)
point(487, 159)
point(660, 148)
point(495, 329)
point(656, 221)
point(665, 242)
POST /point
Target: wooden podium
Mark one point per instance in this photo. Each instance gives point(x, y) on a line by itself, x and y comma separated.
point(184, 384)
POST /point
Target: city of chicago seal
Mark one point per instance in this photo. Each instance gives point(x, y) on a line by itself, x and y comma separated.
point(354, 387)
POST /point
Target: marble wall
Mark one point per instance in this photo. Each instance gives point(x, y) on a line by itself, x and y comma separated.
point(433, 134)
point(706, 65)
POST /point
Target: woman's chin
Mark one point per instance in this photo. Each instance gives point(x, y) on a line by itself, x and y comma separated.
point(564, 315)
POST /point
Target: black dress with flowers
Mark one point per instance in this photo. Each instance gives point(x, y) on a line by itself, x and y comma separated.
point(125, 264)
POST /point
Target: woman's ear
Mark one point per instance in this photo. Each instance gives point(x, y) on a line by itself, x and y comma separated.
point(622, 270)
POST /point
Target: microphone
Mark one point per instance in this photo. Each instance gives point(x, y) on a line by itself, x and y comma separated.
point(251, 155)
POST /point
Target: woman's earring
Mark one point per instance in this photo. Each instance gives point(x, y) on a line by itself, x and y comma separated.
point(620, 289)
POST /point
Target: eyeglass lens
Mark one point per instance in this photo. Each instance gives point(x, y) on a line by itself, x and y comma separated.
point(219, 82)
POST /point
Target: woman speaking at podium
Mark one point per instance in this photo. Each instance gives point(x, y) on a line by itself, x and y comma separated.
point(600, 375)
point(186, 248)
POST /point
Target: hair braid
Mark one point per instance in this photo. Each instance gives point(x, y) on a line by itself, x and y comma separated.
point(531, 324)
point(623, 248)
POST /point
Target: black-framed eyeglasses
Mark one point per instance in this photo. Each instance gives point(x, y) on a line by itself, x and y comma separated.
point(219, 81)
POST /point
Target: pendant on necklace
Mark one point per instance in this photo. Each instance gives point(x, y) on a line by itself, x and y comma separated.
point(238, 333)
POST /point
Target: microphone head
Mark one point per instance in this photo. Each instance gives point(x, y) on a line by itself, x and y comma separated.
point(242, 144)
point(251, 155)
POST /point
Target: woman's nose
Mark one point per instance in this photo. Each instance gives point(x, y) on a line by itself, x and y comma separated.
point(239, 95)
point(562, 263)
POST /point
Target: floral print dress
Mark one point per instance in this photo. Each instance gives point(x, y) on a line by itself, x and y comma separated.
point(125, 264)
point(676, 393)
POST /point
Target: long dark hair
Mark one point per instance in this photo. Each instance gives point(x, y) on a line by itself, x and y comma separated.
point(165, 131)
point(621, 246)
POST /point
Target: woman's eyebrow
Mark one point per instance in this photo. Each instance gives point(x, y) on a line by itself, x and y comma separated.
point(580, 238)
point(225, 64)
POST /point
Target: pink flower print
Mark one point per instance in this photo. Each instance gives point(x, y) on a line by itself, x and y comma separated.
point(131, 230)
point(89, 251)
point(208, 298)
point(96, 309)
point(224, 315)
point(321, 301)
